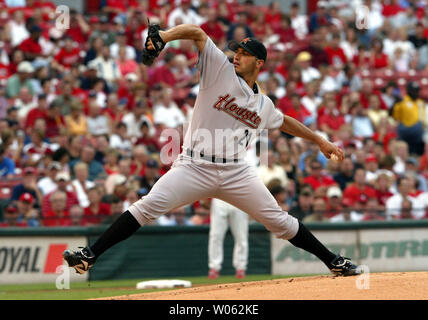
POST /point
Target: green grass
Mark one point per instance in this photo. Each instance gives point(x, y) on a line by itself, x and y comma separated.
point(99, 289)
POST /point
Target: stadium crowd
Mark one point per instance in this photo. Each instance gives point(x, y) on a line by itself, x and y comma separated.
point(81, 117)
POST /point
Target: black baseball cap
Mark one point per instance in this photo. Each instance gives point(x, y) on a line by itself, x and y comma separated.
point(252, 45)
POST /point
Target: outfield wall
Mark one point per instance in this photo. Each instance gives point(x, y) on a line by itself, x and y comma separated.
point(381, 246)
point(33, 254)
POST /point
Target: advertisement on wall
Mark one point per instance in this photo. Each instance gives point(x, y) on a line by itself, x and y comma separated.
point(36, 259)
point(381, 250)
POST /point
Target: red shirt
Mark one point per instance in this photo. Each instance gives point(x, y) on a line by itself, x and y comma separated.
point(214, 31)
point(30, 46)
point(91, 217)
point(33, 115)
point(68, 58)
point(77, 34)
point(162, 74)
point(355, 194)
point(51, 219)
point(389, 10)
point(334, 122)
point(368, 217)
point(336, 53)
point(380, 61)
point(53, 126)
point(323, 181)
point(71, 201)
point(300, 115)
point(382, 196)
point(4, 71)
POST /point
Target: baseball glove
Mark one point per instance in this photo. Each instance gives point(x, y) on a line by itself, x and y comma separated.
point(149, 55)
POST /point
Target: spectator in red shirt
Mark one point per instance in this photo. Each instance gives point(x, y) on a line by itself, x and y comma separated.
point(359, 188)
point(331, 120)
point(79, 29)
point(59, 215)
point(38, 112)
point(11, 218)
point(296, 110)
point(31, 46)
point(62, 180)
point(284, 30)
point(317, 178)
point(382, 185)
point(213, 28)
point(372, 212)
point(163, 74)
point(336, 55)
point(67, 56)
point(378, 59)
point(259, 26)
point(76, 216)
point(391, 8)
point(274, 14)
point(316, 50)
point(96, 211)
point(54, 120)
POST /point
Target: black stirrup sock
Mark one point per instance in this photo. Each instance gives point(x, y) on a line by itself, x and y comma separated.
point(305, 240)
point(121, 229)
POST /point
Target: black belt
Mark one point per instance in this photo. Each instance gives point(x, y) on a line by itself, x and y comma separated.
point(212, 159)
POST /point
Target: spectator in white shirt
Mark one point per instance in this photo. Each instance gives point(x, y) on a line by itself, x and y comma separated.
point(81, 184)
point(298, 22)
point(311, 100)
point(106, 67)
point(98, 123)
point(119, 140)
point(309, 73)
point(134, 118)
point(166, 112)
point(183, 15)
point(121, 42)
point(393, 204)
point(48, 183)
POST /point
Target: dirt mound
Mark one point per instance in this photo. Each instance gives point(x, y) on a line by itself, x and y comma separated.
point(376, 286)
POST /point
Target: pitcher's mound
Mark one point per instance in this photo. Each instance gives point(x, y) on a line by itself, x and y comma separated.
point(375, 286)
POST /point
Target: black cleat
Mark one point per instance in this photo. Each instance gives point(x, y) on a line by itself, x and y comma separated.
point(80, 260)
point(342, 266)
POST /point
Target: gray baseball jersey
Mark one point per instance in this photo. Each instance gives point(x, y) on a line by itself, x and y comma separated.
point(227, 112)
point(227, 107)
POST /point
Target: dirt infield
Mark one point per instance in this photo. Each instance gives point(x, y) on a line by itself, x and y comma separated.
point(381, 286)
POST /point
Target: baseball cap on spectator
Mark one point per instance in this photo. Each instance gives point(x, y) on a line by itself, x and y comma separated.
point(54, 165)
point(334, 191)
point(11, 209)
point(142, 192)
point(309, 120)
point(252, 45)
point(295, 5)
point(42, 96)
point(151, 163)
point(322, 4)
point(27, 197)
point(64, 176)
point(131, 76)
point(94, 19)
point(350, 144)
point(371, 158)
point(25, 66)
point(303, 56)
point(119, 179)
point(29, 170)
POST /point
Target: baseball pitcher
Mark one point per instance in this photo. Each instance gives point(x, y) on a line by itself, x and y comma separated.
point(229, 101)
